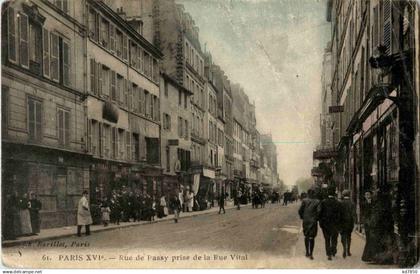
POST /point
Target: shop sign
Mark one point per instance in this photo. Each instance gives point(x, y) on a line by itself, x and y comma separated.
point(336, 109)
point(209, 173)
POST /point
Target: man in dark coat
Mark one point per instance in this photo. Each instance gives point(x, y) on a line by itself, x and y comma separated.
point(367, 205)
point(329, 220)
point(222, 201)
point(348, 218)
point(35, 207)
point(308, 212)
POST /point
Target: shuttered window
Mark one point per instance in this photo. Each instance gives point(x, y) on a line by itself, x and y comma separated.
point(23, 40)
point(46, 52)
point(54, 64)
point(34, 119)
point(11, 34)
point(92, 25)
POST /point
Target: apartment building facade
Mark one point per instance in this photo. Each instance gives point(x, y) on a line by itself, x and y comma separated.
point(43, 98)
point(373, 49)
point(123, 115)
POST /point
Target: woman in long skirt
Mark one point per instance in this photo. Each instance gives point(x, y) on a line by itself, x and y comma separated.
point(24, 216)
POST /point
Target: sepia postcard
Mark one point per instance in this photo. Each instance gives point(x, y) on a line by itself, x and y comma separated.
point(211, 134)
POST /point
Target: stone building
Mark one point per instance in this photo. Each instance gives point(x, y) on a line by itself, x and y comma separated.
point(175, 134)
point(43, 106)
point(123, 116)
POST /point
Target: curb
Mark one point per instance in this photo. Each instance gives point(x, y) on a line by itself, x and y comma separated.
point(72, 233)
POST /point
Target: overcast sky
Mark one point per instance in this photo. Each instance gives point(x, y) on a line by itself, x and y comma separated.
point(274, 49)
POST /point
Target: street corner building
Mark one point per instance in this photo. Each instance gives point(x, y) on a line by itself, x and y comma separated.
point(370, 112)
point(97, 96)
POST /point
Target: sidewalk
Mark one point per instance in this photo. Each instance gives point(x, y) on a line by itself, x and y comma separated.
point(338, 262)
point(61, 232)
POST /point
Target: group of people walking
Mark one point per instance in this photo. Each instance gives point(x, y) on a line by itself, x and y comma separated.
point(21, 217)
point(334, 217)
point(339, 217)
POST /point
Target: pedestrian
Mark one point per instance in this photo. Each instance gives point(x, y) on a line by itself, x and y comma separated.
point(181, 198)
point(380, 228)
point(105, 210)
point(34, 208)
point(10, 221)
point(189, 201)
point(222, 202)
point(308, 212)
point(238, 200)
point(115, 215)
point(367, 205)
point(84, 217)
point(175, 205)
point(329, 220)
point(24, 215)
point(163, 206)
point(348, 219)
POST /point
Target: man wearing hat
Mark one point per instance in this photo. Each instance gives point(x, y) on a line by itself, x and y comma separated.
point(330, 220)
point(348, 217)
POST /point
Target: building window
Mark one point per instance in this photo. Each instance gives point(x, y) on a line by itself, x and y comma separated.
point(186, 129)
point(168, 159)
point(105, 33)
point(166, 89)
point(63, 117)
point(180, 125)
point(166, 121)
point(46, 53)
point(119, 43)
point(62, 5)
point(35, 48)
point(65, 63)
point(34, 119)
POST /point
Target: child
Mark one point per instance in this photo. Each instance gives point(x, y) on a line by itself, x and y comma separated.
point(105, 213)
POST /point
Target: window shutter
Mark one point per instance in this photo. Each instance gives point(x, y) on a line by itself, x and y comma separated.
point(11, 34)
point(31, 118)
point(130, 96)
point(126, 84)
point(60, 119)
point(54, 68)
point(67, 127)
point(117, 144)
point(387, 31)
point(66, 63)
point(98, 28)
point(113, 139)
point(99, 77)
point(46, 52)
point(128, 144)
point(101, 140)
point(113, 88)
point(93, 80)
point(65, 6)
point(23, 40)
point(38, 120)
point(112, 37)
point(125, 47)
point(89, 136)
point(140, 59)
